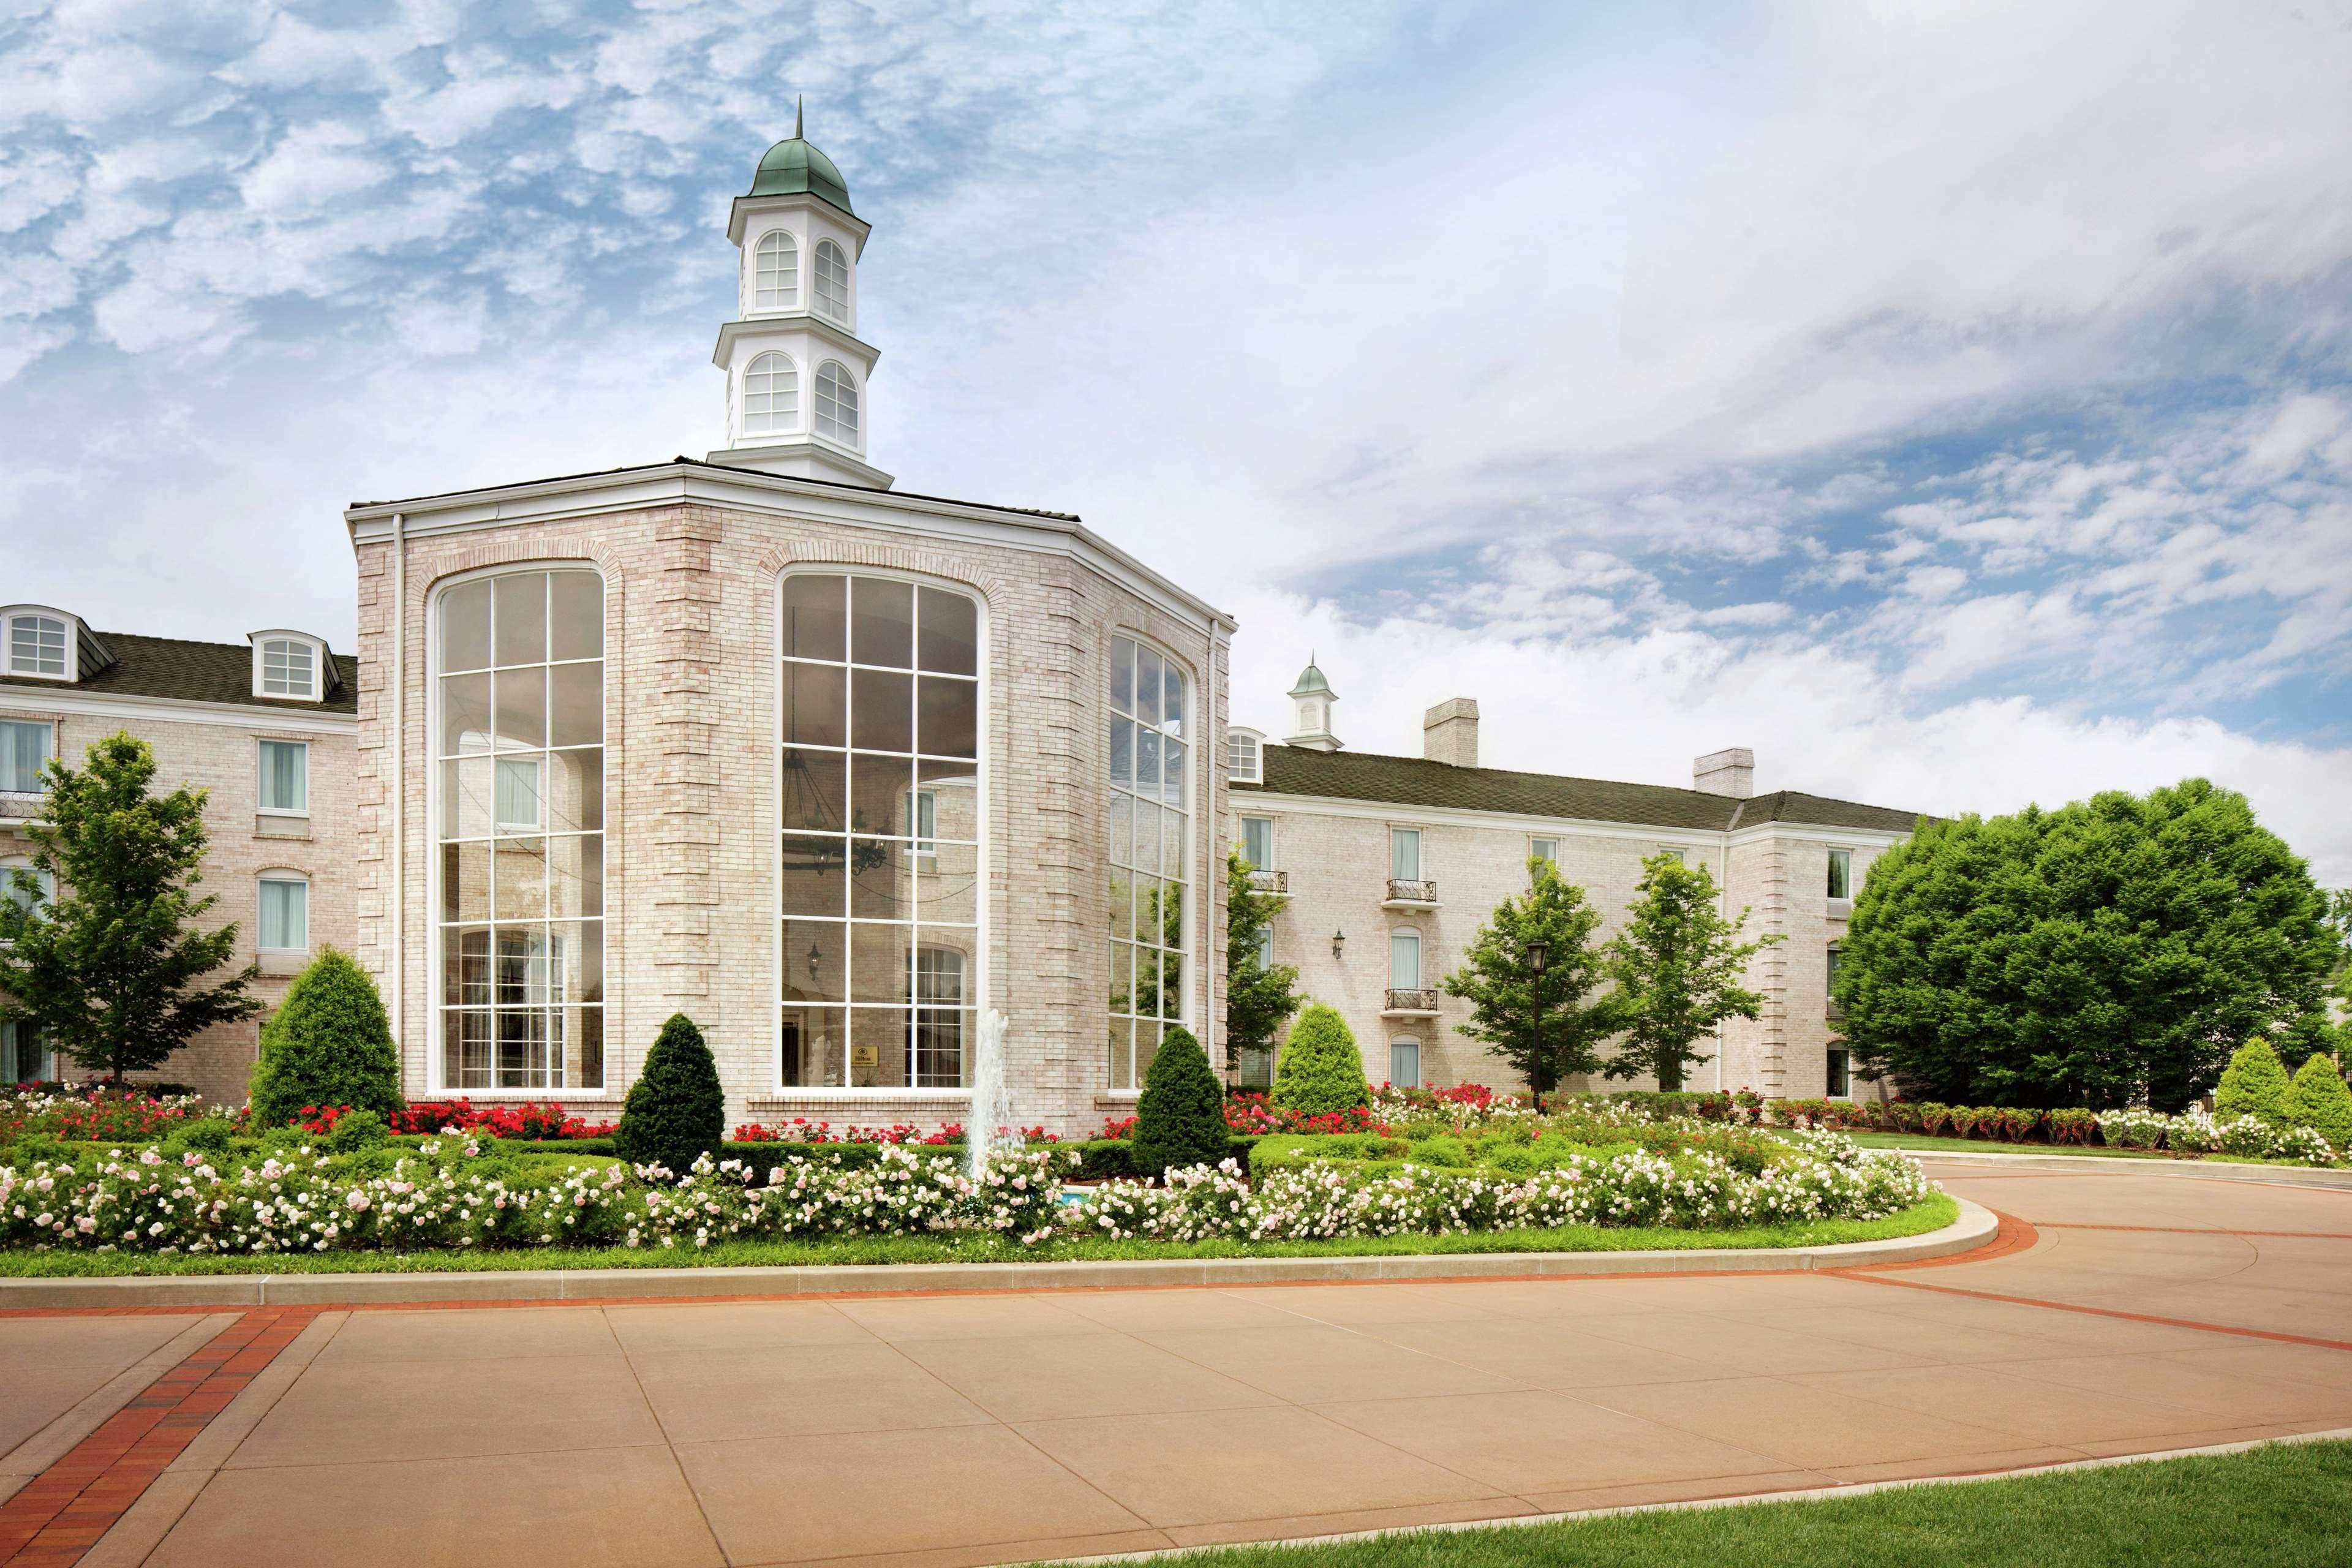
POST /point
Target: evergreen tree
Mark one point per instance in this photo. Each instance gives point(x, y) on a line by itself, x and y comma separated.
point(2255, 1084)
point(329, 1043)
point(676, 1110)
point(1495, 980)
point(1319, 1068)
point(1677, 965)
point(2318, 1099)
point(107, 966)
point(1260, 997)
point(2114, 949)
point(1179, 1121)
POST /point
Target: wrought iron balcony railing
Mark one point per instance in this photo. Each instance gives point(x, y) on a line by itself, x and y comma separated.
point(1265, 881)
point(1421, 1000)
point(1404, 890)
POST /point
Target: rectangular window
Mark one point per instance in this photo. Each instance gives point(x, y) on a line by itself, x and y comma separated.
point(1831, 972)
point(1257, 842)
point(517, 795)
point(1404, 854)
point(24, 754)
point(1265, 953)
point(25, 1055)
point(1149, 805)
point(285, 776)
point(923, 820)
point(1841, 873)
point(1545, 849)
point(1404, 1063)
point(1405, 960)
point(1840, 1081)
point(285, 915)
point(1682, 856)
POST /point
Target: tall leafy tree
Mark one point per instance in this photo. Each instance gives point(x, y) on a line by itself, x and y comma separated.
point(1495, 980)
point(111, 965)
point(2116, 948)
point(1260, 996)
point(1678, 964)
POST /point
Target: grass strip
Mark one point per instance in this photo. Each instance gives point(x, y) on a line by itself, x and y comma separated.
point(1936, 1212)
point(2288, 1506)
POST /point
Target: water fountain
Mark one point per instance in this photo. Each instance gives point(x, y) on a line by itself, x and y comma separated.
point(992, 1097)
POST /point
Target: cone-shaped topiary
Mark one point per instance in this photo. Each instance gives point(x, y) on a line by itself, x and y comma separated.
point(2318, 1099)
point(675, 1111)
point(1319, 1068)
point(328, 1044)
point(1180, 1119)
point(2253, 1084)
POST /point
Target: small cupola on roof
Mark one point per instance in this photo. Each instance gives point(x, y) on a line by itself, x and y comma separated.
point(1310, 710)
point(796, 368)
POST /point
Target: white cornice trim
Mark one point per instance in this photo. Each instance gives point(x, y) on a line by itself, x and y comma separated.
point(173, 710)
point(776, 495)
point(1255, 801)
point(848, 343)
point(1816, 833)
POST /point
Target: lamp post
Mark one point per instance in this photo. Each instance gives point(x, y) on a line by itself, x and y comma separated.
point(1538, 953)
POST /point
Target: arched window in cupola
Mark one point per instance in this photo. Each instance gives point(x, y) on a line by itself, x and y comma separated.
point(831, 281)
point(772, 395)
point(776, 272)
point(837, 403)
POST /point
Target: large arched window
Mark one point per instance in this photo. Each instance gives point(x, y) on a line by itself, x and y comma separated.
point(837, 403)
point(776, 272)
point(520, 804)
point(882, 823)
point(772, 395)
point(831, 281)
point(1151, 855)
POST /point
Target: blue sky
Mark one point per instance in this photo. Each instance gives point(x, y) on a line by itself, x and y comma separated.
point(1952, 403)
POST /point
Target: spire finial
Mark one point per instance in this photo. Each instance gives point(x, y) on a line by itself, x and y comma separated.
point(797, 101)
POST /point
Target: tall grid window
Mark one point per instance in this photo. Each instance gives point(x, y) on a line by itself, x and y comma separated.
point(24, 754)
point(1151, 861)
point(772, 394)
point(288, 668)
point(883, 825)
point(520, 801)
point(285, 909)
point(1841, 874)
point(837, 403)
point(285, 777)
point(776, 272)
point(36, 646)
point(831, 281)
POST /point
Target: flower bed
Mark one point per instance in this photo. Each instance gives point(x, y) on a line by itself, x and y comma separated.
point(543, 1122)
point(92, 1111)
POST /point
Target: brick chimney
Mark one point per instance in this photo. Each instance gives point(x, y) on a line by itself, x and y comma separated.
point(1731, 772)
point(1449, 733)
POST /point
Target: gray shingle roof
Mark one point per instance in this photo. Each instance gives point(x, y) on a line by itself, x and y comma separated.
point(1414, 781)
point(199, 672)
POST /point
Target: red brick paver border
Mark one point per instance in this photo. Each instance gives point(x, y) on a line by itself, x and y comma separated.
point(61, 1513)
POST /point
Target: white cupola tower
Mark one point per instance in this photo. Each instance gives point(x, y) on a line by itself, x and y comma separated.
point(1310, 711)
point(796, 368)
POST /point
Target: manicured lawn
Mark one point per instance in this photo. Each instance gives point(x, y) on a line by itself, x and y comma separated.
point(1936, 1213)
point(2288, 1506)
point(1924, 1143)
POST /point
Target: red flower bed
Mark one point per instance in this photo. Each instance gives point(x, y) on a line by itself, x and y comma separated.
point(1249, 1115)
point(532, 1120)
point(100, 1114)
point(800, 1130)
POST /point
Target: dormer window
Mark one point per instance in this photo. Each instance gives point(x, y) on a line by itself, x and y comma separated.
point(831, 281)
point(39, 646)
point(1243, 756)
point(290, 667)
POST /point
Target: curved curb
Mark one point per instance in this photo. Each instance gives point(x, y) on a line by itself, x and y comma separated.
point(1976, 1228)
point(2312, 1176)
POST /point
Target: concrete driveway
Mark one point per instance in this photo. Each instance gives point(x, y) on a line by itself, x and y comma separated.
point(989, 1429)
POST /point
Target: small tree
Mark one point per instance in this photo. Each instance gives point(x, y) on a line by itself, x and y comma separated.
point(1319, 1068)
point(1677, 965)
point(1180, 1119)
point(2318, 1099)
point(108, 965)
point(1260, 997)
point(1494, 979)
point(675, 1111)
point(329, 1043)
point(2253, 1084)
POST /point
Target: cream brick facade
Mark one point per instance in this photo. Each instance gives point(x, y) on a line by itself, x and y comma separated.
point(215, 747)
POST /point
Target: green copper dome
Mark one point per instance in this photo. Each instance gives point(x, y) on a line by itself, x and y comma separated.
point(1311, 681)
point(793, 168)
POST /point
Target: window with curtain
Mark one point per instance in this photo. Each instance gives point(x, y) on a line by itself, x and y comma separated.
point(518, 663)
point(1150, 803)
point(290, 668)
point(14, 877)
point(831, 281)
point(1404, 854)
point(776, 272)
point(285, 925)
point(24, 754)
point(837, 403)
point(25, 1054)
point(36, 644)
point(1546, 849)
point(1257, 842)
point(1404, 1063)
point(285, 777)
point(1841, 873)
point(772, 395)
point(1405, 960)
point(883, 826)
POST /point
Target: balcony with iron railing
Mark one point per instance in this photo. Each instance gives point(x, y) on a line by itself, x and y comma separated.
point(1265, 881)
point(1410, 1002)
point(1409, 893)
